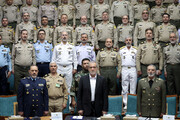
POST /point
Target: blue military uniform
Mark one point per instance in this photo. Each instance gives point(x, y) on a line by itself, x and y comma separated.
point(32, 96)
point(5, 66)
point(43, 53)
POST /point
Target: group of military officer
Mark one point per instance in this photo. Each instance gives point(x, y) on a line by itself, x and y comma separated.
point(62, 35)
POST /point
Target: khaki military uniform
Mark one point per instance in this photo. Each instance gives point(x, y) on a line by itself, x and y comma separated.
point(32, 10)
point(149, 53)
point(122, 32)
point(107, 62)
point(58, 32)
point(96, 13)
point(174, 12)
point(75, 82)
point(151, 101)
point(82, 9)
point(34, 2)
point(163, 32)
point(151, 3)
point(12, 13)
point(139, 31)
point(49, 32)
point(2, 2)
point(104, 31)
point(50, 11)
point(23, 56)
point(119, 9)
point(69, 10)
point(57, 92)
point(137, 11)
point(156, 13)
point(55, 2)
point(18, 2)
point(132, 2)
point(31, 28)
point(7, 34)
point(88, 30)
point(172, 67)
point(167, 2)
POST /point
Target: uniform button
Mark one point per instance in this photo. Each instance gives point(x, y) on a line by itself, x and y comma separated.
point(36, 89)
point(37, 100)
point(153, 94)
point(149, 99)
point(32, 94)
point(33, 100)
point(33, 105)
point(32, 89)
point(149, 104)
point(36, 94)
point(153, 104)
point(37, 105)
point(153, 99)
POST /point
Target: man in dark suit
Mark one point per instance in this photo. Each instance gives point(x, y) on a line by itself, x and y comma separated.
point(151, 95)
point(32, 95)
point(92, 98)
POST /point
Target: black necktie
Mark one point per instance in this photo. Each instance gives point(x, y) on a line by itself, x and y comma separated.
point(150, 83)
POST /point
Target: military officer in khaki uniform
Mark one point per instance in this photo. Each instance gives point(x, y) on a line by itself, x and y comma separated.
point(166, 3)
point(174, 11)
point(120, 8)
point(26, 24)
point(107, 60)
point(7, 33)
point(31, 9)
point(124, 30)
point(23, 56)
point(57, 89)
point(67, 9)
point(158, 11)
point(149, 53)
point(139, 31)
point(63, 27)
point(151, 95)
point(1, 14)
point(34, 2)
point(2, 2)
point(55, 2)
point(96, 12)
point(49, 10)
point(83, 8)
point(48, 29)
point(84, 28)
point(105, 30)
point(163, 31)
point(138, 9)
point(172, 65)
point(18, 2)
point(11, 12)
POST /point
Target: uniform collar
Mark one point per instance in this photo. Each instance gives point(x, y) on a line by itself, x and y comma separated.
point(38, 41)
point(105, 49)
point(151, 79)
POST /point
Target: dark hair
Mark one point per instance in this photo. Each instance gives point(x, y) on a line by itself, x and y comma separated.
point(166, 14)
point(41, 30)
point(44, 17)
point(149, 29)
point(84, 60)
point(23, 30)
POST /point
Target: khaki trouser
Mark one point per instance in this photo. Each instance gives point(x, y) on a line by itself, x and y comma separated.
point(55, 105)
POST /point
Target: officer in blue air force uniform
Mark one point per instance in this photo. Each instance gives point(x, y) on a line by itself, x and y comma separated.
point(5, 67)
point(32, 95)
point(43, 51)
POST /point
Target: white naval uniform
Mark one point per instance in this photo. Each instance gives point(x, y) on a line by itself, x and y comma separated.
point(128, 73)
point(65, 57)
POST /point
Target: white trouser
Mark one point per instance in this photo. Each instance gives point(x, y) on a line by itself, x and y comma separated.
point(66, 70)
point(129, 77)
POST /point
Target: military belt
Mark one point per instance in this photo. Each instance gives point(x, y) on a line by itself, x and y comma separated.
point(173, 63)
point(109, 67)
point(54, 98)
point(43, 63)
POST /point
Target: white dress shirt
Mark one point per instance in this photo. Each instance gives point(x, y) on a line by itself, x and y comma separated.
point(93, 87)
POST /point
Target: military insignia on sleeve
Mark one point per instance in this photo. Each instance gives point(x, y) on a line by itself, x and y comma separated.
point(37, 51)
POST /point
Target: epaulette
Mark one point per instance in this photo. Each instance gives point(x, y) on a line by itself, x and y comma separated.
point(142, 43)
point(34, 6)
point(38, 27)
point(179, 43)
point(49, 42)
point(122, 47)
point(135, 47)
point(160, 79)
point(115, 49)
point(102, 49)
point(61, 75)
point(51, 27)
point(46, 75)
point(71, 43)
point(6, 46)
point(167, 44)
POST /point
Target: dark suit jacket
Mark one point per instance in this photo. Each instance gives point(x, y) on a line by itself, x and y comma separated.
point(84, 95)
point(32, 97)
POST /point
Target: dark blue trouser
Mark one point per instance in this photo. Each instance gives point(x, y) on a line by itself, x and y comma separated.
point(3, 81)
point(43, 69)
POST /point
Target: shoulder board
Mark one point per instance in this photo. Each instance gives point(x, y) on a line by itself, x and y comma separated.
point(90, 44)
point(71, 43)
point(160, 79)
point(122, 47)
point(115, 49)
point(34, 6)
point(142, 79)
point(102, 49)
point(134, 47)
point(51, 27)
point(142, 43)
point(6, 46)
point(168, 44)
point(49, 42)
point(38, 27)
point(61, 75)
point(46, 75)
point(9, 26)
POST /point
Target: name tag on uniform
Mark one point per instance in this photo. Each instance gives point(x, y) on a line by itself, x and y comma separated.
point(57, 85)
point(59, 80)
point(40, 85)
point(27, 85)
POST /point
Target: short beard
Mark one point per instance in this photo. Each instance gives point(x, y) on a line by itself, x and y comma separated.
point(151, 74)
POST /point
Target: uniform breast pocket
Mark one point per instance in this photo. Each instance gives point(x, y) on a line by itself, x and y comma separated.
point(19, 51)
point(178, 54)
point(113, 58)
point(171, 10)
point(144, 50)
point(4, 53)
point(37, 50)
point(133, 55)
point(47, 48)
point(155, 51)
point(70, 52)
point(102, 57)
